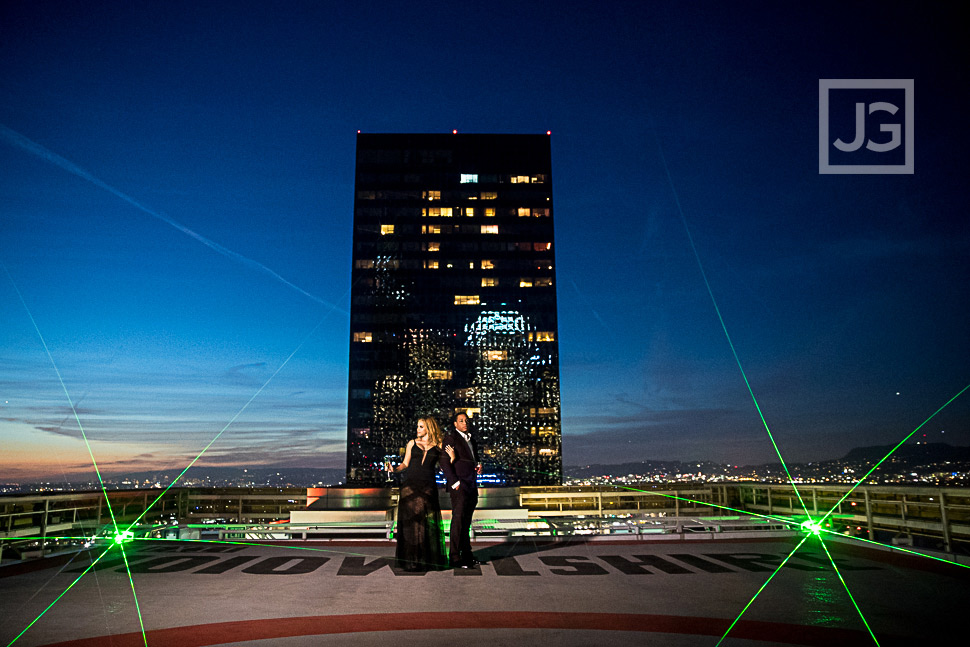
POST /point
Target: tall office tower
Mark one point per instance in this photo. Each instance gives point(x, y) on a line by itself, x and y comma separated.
point(453, 302)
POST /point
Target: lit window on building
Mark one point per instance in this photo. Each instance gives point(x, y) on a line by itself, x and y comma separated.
point(431, 195)
point(431, 265)
point(525, 283)
point(547, 412)
point(489, 229)
point(466, 300)
point(520, 179)
point(539, 178)
point(432, 247)
point(387, 229)
point(430, 229)
point(470, 212)
point(489, 212)
point(489, 195)
point(489, 282)
point(496, 355)
point(542, 247)
point(364, 337)
point(524, 212)
point(434, 374)
point(540, 213)
point(488, 265)
point(364, 264)
point(469, 178)
point(367, 195)
point(543, 282)
point(545, 336)
point(547, 452)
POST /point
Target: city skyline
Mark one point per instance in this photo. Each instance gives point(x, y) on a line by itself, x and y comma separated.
point(177, 202)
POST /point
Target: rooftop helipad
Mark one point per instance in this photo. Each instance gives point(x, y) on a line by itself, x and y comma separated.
point(597, 591)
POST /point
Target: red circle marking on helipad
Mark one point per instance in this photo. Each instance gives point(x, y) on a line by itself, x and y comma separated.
point(245, 630)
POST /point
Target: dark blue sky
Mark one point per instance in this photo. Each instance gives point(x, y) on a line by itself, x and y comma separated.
point(160, 159)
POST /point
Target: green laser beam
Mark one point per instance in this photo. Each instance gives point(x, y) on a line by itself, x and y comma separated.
point(846, 586)
point(893, 450)
point(248, 402)
point(770, 577)
point(234, 417)
point(786, 520)
point(123, 534)
point(898, 548)
point(134, 595)
point(720, 318)
point(70, 401)
point(63, 593)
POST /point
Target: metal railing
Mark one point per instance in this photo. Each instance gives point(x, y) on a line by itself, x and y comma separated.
point(938, 518)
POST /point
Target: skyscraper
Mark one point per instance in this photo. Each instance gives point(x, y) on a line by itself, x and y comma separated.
point(453, 301)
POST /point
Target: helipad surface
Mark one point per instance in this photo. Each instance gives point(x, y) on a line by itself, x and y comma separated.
point(575, 593)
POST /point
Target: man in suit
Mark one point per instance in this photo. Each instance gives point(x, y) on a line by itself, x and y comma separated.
point(461, 482)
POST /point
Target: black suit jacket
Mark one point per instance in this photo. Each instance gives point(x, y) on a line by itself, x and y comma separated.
point(464, 468)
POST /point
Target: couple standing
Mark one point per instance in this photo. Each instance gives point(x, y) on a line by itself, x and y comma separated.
point(420, 545)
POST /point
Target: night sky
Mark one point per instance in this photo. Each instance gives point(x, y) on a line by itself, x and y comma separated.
point(176, 203)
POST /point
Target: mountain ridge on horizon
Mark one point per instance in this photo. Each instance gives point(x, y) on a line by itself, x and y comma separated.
point(931, 452)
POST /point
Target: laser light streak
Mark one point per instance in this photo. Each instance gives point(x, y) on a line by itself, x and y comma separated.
point(124, 537)
point(812, 527)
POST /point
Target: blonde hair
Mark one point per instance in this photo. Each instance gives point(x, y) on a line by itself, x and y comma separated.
point(434, 431)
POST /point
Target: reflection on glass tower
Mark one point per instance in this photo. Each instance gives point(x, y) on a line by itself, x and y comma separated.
point(453, 302)
point(514, 396)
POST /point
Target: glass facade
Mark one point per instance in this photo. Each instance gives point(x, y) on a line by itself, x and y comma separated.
point(453, 301)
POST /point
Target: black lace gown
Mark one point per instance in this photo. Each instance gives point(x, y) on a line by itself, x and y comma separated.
point(420, 541)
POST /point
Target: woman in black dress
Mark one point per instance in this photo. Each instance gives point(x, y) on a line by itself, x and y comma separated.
point(420, 541)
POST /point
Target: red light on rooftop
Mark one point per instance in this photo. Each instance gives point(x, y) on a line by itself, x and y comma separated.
point(454, 132)
point(548, 132)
